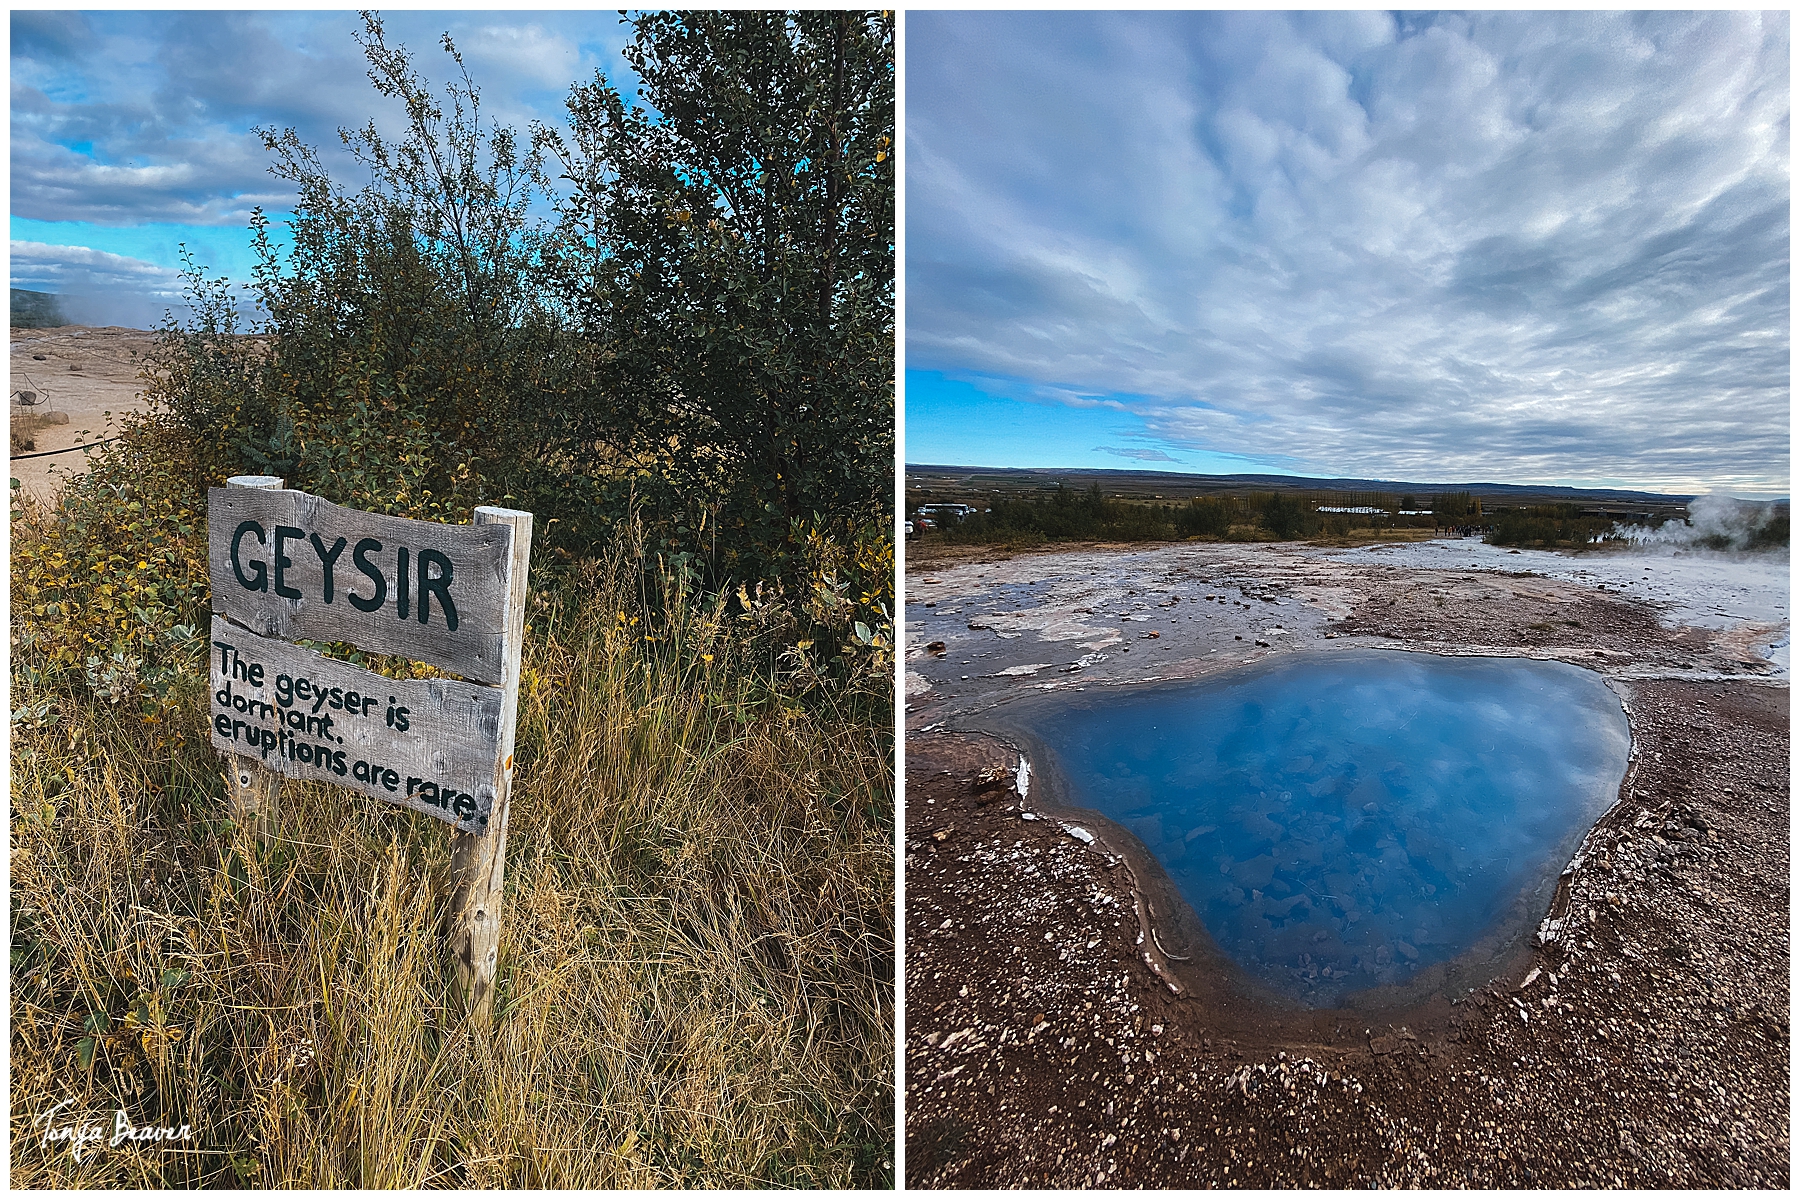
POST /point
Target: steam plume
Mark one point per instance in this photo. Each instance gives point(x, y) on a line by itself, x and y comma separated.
point(1716, 522)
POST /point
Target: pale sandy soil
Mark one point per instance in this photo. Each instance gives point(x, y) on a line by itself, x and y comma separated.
point(84, 372)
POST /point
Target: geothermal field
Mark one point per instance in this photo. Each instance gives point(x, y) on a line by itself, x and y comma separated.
point(79, 380)
point(1434, 864)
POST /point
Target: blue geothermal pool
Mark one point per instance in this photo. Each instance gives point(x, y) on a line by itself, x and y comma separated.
point(1343, 822)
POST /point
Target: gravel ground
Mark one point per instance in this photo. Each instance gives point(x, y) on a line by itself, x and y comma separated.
point(1641, 1040)
point(83, 374)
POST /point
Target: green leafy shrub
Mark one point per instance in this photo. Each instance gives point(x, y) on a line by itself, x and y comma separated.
point(109, 589)
point(742, 314)
point(699, 337)
point(1286, 517)
point(1206, 516)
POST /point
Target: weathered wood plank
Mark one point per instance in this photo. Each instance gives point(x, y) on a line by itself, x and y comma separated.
point(255, 790)
point(429, 744)
point(478, 863)
point(286, 564)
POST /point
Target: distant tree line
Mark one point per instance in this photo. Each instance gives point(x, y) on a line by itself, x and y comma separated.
point(1067, 514)
point(1075, 515)
point(1547, 525)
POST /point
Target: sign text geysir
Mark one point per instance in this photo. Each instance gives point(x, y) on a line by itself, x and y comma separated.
point(287, 565)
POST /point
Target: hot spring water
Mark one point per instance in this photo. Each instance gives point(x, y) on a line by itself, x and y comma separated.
point(1340, 823)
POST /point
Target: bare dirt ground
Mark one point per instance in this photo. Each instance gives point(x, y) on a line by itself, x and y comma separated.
point(1052, 1041)
point(78, 371)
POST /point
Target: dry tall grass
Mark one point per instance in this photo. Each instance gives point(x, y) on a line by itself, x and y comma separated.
point(696, 970)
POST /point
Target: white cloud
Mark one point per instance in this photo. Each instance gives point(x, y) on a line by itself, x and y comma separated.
point(1509, 246)
point(519, 54)
point(133, 117)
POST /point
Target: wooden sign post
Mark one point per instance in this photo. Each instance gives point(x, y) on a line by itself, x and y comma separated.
point(254, 789)
point(286, 565)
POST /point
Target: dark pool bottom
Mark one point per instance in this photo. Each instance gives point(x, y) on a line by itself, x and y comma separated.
point(1340, 823)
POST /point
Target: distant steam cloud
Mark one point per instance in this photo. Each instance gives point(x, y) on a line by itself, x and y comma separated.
point(1717, 522)
point(94, 287)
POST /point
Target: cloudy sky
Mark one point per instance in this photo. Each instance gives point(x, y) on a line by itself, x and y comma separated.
point(1515, 247)
point(132, 131)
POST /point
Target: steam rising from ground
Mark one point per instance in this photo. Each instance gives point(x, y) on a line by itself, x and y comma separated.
point(94, 287)
point(1716, 522)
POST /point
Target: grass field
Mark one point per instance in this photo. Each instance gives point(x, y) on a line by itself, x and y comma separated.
point(696, 980)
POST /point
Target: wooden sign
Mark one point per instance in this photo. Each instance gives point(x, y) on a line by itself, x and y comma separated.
point(287, 565)
point(430, 744)
point(290, 565)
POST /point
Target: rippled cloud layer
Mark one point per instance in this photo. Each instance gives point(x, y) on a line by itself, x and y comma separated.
point(1518, 247)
